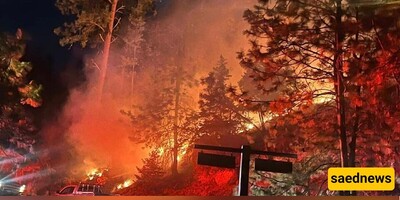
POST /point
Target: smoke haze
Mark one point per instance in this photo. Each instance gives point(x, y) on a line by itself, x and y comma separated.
point(88, 136)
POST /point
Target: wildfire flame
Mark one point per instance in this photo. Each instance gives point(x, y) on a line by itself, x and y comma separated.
point(95, 173)
point(183, 150)
point(323, 99)
point(126, 184)
point(249, 126)
point(161, 151)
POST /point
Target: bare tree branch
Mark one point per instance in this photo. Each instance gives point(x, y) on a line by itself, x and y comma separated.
point(116, 24)
point(95, 64)
point(98, 26)
point(101, 37)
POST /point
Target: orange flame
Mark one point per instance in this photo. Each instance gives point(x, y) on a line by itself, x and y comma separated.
point(126, 184)
point(95, 172)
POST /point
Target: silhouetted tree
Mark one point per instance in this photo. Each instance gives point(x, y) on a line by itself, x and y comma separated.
point(219, 115)
point(96, 23)
point(17, 132)
point(149, 178)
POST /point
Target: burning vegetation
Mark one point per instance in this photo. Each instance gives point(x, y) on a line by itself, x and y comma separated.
point(317, 79)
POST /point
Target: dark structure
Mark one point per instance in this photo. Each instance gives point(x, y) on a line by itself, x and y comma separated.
point(245, 152)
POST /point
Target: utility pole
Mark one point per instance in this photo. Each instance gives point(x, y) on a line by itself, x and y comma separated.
point(244, 171)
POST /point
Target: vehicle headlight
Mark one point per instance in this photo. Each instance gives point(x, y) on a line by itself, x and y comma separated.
point(1, 184)
point(22, 188)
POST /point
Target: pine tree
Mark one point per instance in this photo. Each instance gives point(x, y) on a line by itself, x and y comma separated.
point(171, 73)
point(150, 176)
point(159, 120)
point(14, 86)
point(218, 115)
point(133, 47)
point(17, 94)
point(95, 25)
point(152, 169)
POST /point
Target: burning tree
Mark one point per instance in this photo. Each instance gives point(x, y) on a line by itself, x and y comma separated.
point(159, 123)
point(167, 80)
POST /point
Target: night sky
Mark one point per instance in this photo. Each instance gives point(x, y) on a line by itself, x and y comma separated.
point(37, 19)
point(51, 62)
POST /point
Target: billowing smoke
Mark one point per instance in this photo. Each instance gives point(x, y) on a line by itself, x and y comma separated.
point(85, 135)
point(212, 28)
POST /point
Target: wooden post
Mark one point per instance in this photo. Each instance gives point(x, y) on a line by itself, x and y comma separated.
point(244, 170)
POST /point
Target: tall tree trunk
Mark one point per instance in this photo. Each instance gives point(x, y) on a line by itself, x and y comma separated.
point(133, 73)
point(178, 82)
point(353, 142)
point(106, 49)
point(339, 87)
point(177, 91)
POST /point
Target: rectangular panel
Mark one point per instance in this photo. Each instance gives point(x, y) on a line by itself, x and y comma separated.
point(216, 160)
point(273, 166)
